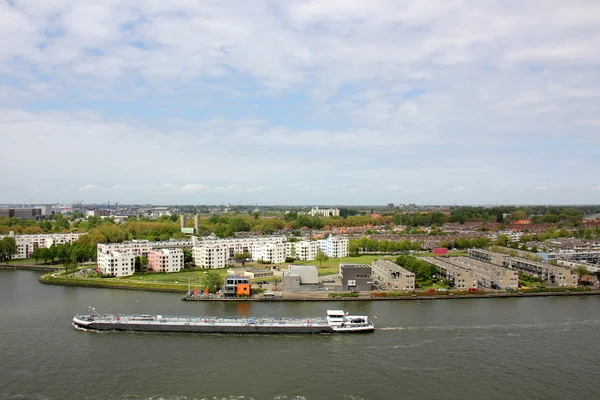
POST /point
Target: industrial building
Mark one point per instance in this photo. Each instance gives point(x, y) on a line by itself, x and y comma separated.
point(21, 213)
point(236, 286)
point(300, 278)
point(389, 273)
point(356, 277)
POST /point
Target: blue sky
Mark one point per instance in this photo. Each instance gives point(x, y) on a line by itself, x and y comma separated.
point(300, 102)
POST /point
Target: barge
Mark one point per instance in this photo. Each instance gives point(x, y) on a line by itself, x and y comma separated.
point(336, 321)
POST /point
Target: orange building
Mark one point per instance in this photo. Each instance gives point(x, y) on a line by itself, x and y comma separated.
point(242, 289)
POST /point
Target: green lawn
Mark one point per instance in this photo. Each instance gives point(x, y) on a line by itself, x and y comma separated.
point(193, 276)
point(335, 262)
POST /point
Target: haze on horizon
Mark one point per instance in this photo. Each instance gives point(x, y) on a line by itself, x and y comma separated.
point(300, 102)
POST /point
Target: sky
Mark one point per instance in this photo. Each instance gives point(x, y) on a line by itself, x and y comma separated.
point(300, 102)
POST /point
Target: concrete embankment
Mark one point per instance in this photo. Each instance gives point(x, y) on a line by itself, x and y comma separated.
point(367, 297)
point(51, 279)
point(29, 267)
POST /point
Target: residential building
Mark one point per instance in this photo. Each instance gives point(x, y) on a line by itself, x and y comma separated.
point(26, 244)
point(334, 247)
point(552, 274)
point(324, 212)
point(356, 277)
point(304, 250)
point(389, 273)
point(116, 263)
point(216, 253)
point(143, 247)
point(487, 256)
point(458, 277)
point(165, 260)
point(489, 275)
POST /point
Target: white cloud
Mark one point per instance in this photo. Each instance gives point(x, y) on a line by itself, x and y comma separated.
point(89, 188)
point(323, 94)
point(541, 187)
point(193, 188)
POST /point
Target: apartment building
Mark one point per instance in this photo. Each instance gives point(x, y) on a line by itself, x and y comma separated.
point(304, 250)
point(26, 244)
point(143, 247)
point(553, 274)
point(487, 274)
point(116, 263)
point(166, 260)
point(389, 273)
point(270, 252)
point(324, 212)
point(216, 253)
point(334, 247)
point(459, 277)
point(487, 256)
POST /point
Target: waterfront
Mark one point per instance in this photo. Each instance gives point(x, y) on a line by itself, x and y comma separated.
point(494, 348)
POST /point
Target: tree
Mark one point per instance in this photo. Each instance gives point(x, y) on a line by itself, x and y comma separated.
point(8, 247)
point(581, 271)
point(212, 281)
point(70, 267)
point(502, 240)
point(242, 257)
point(138, 264)
point(188, 259)
point(36, 254)
point(144, 261)
point(321, 256)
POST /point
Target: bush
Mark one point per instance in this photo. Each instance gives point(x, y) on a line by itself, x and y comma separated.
point(339, 295)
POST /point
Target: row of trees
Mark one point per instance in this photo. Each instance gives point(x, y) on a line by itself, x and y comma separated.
point(64, 253)
point(464, 243)
point(366, 245)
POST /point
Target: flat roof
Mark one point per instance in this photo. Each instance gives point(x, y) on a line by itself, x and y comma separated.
point(355, 266)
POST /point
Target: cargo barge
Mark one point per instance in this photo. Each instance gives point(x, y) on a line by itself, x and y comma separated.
point(336, 321)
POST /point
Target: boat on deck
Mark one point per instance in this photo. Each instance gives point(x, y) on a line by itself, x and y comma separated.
point(336, 321)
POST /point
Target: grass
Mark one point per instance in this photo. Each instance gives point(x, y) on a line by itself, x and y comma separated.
point(453, 253)
point(335, 262)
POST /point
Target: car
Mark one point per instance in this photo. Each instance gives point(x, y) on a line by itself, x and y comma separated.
point(442, 289)
point(381, 287)
point(431, 290)
point(472, 289)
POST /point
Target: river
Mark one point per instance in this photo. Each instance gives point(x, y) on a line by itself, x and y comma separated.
point(514, 348)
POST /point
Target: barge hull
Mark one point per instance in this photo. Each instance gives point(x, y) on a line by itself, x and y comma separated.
point(208, 328)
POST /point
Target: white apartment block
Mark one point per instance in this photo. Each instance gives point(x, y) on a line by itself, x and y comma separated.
point(270, 252)
point(27, 243)
point(166, 260)
point(216, 253)
point(304, 250)
point(334, 247)
point(116, 263)
point(143, 247)
point(324, 212)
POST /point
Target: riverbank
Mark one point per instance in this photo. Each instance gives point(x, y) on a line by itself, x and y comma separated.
point(56, 279)
point(31, 267)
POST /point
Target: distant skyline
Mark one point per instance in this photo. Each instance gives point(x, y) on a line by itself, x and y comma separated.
point(300, 102)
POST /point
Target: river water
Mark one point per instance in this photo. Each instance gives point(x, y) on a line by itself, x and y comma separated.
point(516, 348)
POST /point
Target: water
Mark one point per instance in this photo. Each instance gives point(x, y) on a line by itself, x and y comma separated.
point(533, 348)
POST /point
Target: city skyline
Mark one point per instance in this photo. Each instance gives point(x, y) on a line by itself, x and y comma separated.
point(300, 103)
